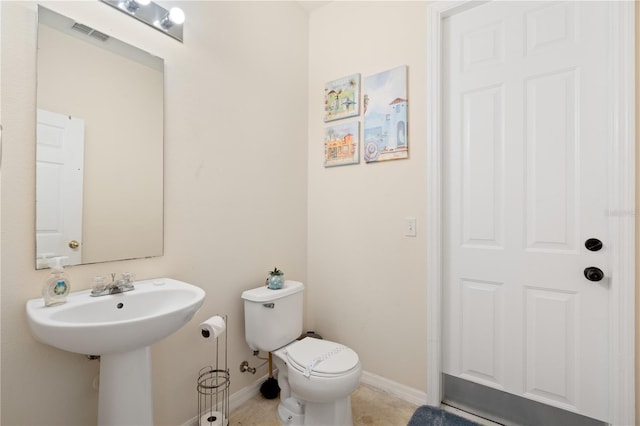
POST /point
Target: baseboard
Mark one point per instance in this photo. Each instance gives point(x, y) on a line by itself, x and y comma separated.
point(396, 389)
point(237, 399)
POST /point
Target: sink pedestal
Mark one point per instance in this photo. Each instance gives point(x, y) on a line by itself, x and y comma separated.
point(124, 396)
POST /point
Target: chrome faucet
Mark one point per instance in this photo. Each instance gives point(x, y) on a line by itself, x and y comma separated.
point(125, 283)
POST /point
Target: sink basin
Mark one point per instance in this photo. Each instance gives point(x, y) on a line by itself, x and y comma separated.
point(120, 328)
point(118, 322)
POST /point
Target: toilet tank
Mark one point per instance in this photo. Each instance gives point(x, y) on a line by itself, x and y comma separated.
point(273, 318)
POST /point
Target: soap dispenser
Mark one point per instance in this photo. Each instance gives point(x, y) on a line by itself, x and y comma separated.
point(57, 286)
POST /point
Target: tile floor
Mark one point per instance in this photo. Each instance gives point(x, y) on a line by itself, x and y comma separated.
point(370, 406)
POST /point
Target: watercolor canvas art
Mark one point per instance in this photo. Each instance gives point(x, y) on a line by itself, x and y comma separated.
point(341, 144)
point(385, 116)
point(342, 98)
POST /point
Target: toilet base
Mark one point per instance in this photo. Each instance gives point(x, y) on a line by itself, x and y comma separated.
point(292, 412)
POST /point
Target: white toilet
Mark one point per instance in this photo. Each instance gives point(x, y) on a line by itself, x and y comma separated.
point(316, 377)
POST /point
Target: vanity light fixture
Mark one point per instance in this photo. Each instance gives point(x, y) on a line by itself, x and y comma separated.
point(169, 22)
point(133, 5)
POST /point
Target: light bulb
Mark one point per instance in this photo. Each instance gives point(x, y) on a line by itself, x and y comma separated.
point(176, 15)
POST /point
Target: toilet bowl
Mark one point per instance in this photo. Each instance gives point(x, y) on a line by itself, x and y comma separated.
point(316, 377)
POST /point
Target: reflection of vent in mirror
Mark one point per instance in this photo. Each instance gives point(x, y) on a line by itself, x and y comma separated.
point(90, 31)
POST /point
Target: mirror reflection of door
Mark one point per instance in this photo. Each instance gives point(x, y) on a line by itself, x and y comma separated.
point(59, 177)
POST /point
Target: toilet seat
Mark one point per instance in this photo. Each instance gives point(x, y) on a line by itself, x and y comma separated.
point(321, 358)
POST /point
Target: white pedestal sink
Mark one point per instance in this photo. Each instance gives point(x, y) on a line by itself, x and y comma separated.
point(120, 328)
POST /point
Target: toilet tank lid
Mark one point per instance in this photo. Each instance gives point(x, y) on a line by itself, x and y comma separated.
point(265, 294)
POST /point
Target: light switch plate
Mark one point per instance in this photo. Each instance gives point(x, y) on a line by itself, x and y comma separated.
point(410, 226)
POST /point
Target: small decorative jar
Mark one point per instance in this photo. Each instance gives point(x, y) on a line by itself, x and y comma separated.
point(275, 281)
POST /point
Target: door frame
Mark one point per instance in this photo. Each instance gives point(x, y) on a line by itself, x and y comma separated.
point(622, 188)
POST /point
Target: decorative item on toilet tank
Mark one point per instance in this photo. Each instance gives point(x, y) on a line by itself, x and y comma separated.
point(275, 280)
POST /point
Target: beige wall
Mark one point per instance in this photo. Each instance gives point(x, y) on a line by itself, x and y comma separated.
point(637, 215)
point(367, 281)
point(1, 109)
point(235, 193)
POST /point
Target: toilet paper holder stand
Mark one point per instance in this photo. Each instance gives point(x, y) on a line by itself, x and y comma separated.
point(213, 387)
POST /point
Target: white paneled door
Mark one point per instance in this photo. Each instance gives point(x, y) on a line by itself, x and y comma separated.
point(526, 121)
point(59, 176)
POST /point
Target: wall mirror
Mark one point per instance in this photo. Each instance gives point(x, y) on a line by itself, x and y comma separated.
point(99, 165)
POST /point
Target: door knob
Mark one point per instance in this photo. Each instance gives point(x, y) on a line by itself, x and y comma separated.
point(74, 244)
point(593, 274)
point(593, 244)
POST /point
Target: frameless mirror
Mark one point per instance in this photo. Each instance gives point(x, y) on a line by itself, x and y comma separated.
point(99, 165)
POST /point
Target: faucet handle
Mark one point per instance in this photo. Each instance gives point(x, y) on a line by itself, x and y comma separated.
point(128, 278)
point(98, 284)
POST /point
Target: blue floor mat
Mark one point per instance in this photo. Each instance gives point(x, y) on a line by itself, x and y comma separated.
point(432, 416)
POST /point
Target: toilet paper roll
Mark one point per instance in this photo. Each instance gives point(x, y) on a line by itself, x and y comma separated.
point(212, 418)
point(213, 327)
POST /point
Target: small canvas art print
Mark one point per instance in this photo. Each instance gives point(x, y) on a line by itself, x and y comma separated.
point(342, 98)
point(385, 116)
point(341, 144)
